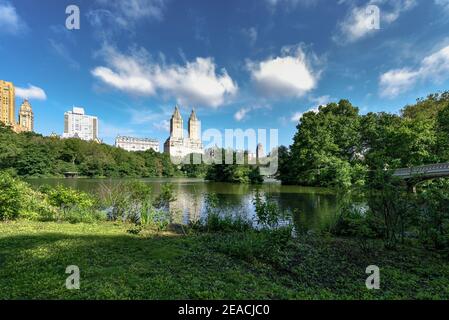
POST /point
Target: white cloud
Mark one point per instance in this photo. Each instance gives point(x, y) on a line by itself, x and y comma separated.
point(10, 21)
point(124, 80)
point(196, 82)
point(357, 26)
point(289, 75)
point(32, 92)
point(434, 67)
point(396, 81)
point(241, 114)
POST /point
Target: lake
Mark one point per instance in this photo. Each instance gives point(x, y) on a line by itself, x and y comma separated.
point(315, 207)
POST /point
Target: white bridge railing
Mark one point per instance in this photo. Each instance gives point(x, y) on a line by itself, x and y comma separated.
point(427, 170)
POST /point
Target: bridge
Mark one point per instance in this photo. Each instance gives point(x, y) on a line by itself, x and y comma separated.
point(426, 172)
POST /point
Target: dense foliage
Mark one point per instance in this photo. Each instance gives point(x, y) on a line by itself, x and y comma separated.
point(338, 147)
point(18, 200)
point(391, 213)
point(30, 154)
point(235, 173)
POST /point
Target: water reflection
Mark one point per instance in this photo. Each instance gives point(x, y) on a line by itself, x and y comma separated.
point(313, 208)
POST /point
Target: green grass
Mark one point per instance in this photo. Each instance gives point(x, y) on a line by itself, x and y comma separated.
point(115, 264)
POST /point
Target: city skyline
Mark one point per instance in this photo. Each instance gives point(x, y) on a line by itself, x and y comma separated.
point(130, 68)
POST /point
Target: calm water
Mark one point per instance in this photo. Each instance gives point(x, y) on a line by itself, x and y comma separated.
point(316, 207)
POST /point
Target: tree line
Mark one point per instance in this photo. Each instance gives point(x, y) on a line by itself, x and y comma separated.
point(33, 155)
point(337, 146)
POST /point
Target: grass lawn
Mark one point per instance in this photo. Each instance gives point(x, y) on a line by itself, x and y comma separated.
point(115, 264)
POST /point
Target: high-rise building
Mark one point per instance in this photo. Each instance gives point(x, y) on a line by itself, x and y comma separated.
point(26, 117)
point(179, 146)
point(8, 109)
point(136, 144)
point(7, 103)
point(79, 125)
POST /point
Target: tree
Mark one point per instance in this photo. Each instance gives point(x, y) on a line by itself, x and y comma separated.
point(324, 147)
point(442, 134)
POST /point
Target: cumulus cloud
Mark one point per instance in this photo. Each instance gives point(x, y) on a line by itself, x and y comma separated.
point(288, 75)
point(32, 93)
point(358, 23)
point(434, 67)
point(196, 82)
point(10, 21)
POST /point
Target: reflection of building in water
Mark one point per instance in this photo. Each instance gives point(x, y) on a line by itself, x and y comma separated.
point(186, 208)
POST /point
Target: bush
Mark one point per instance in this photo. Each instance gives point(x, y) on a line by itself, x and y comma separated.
point(268, 214)
point(133, 201)
point(18, 200)
point(214, 222)
point(74, 206)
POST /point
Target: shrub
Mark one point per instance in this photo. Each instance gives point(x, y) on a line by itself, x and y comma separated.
point(268, 213)
point(18, 200)
point(214, 222)
point(133, 201)
point(74, 206)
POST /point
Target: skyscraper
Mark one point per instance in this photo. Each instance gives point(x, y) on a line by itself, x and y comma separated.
point(26, 117)
point(79, 125)
point(8, 109)
point(7, 103)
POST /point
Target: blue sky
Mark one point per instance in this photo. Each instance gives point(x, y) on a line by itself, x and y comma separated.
point(241, 64)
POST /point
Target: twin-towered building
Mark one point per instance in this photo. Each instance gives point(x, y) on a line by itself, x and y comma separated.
point(179, 146)
point(8, 109)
